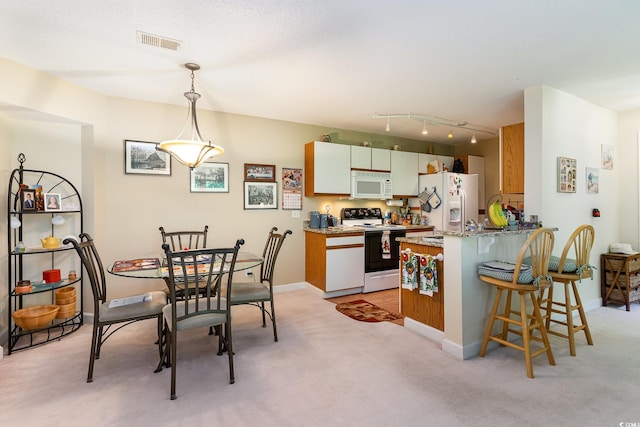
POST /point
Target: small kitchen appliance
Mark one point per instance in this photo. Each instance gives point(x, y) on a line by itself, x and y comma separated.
point(371, 185)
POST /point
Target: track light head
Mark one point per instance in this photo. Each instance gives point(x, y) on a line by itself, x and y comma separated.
point(473, 139)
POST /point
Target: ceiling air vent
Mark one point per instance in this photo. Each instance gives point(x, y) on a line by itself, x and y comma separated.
point(157, 41)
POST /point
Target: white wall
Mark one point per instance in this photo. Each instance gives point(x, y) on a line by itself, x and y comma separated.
point(558, 124)
point(627, 161)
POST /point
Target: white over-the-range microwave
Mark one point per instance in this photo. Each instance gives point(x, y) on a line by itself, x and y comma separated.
point(371, 185)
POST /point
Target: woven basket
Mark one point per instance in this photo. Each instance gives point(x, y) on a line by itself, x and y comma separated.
point(35, 317)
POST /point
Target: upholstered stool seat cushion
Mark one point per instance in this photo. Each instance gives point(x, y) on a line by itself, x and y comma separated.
point(504, 271)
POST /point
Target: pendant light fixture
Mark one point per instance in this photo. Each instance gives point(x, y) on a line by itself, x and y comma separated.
point(188, 147)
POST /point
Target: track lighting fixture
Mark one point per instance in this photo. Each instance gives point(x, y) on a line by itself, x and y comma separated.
point(434, 120)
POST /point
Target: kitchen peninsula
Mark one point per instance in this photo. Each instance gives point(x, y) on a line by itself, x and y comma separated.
point(456, 315)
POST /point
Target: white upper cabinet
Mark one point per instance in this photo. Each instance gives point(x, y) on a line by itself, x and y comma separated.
point(327, 169)
point(380, 159)
point(367, 158)
point(423, 161)
point(447, 161)
point(360, 157)
point(404, 173)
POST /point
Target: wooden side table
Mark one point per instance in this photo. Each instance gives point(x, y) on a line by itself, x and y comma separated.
point(620, 278)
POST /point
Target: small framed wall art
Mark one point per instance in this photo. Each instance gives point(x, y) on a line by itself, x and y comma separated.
point(210, 177)
point(592, 178)
point(254, 172)
point(142, 158)
point(607, 157)
point(260, 195)
point(566, 175)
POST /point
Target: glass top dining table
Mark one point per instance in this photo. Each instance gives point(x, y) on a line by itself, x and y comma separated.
point(244, 261)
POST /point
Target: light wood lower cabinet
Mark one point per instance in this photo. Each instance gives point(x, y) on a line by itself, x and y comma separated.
point(334, 262)
point(423, 308)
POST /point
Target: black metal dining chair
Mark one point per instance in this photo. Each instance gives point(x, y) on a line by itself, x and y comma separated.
point(183, 240)
point(259, 293)
point(107, 315)
point(198, 274)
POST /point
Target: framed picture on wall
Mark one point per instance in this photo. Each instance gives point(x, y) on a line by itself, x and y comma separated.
point(260, 195)
point(566, 175)
point(210, 177)
point(254, 172)
point(142, 158)
point(607, 156)
point(592, 178)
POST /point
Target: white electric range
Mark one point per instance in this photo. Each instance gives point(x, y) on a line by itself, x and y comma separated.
point(381, 251)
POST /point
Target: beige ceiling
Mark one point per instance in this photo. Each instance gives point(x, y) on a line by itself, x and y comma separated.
point(335, 63)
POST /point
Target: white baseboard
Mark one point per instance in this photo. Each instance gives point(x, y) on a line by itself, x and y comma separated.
point(289, 287)
point(426, 331)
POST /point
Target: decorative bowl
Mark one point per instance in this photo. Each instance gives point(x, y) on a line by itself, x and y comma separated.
point(66, 310)
point(67, 292)
point(65, 296)
point(23, 287)
point(35, 317)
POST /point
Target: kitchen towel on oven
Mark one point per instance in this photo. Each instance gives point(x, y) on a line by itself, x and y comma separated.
point(428, 275)
point(409, 270)
point(386, 245)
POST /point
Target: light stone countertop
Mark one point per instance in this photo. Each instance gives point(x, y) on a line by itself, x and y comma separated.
point(439, 242)
point(355, 229)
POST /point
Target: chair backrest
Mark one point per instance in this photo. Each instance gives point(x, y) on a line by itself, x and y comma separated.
point(581, 240)
point(198, 274)
point(536, 250)
point(182, 240)
point(92, 264)
point(270, 254)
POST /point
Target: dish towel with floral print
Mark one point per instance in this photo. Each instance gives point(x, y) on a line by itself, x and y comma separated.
point(386, 245)
point(428, 275)
point(409, 265)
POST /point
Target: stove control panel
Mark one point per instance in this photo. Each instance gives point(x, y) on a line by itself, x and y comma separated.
point(361, 213)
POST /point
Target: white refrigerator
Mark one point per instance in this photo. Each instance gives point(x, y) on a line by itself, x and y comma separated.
point(449, 199)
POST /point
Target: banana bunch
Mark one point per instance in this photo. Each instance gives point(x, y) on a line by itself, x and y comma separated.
point(496, 215)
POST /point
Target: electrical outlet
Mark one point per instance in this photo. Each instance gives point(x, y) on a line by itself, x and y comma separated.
point(295, 214)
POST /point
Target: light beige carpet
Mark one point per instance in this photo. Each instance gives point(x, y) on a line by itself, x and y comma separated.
point(326, 370)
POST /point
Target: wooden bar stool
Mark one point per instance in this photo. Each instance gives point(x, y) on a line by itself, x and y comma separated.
point(526, 280)
point(567, 271)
